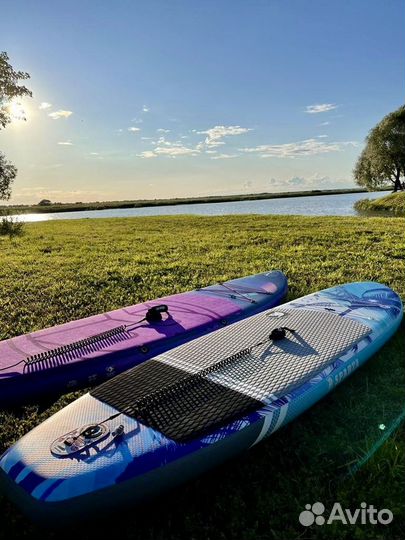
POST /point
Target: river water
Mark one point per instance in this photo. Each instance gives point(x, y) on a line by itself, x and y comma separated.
point(319, 205)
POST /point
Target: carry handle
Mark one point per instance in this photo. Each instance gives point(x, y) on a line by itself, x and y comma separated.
point(154, 314)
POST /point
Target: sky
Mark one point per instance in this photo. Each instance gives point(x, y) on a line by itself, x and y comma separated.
point(156, 99)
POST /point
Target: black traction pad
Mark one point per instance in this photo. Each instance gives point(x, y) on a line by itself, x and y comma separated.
point(206, 383)
point(178, 404)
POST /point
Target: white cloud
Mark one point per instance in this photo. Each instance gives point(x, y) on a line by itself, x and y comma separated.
point(308, 147)
point(320, 108)
point(45, 105)
point(206, 143)
point(324, 124)
point(60, 114)
point(297, 181)
point(322, 136)
point(96, 155)
point(177, 148)
point(162, 141)
point(176, 151)
point(65, 143)
point(134, 129)
point(274, 182)
point(225, 156)
point(215, 134)
point(146, 138)
point(313, 181)
point(169, 151)
point(147, 154)
point(145, 109)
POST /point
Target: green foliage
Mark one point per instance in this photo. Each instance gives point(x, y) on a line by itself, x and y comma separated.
point(383, 158)
point(10, 87)
point(393, 203)
point(66, 270)
point(11, 227)
point(7, 175)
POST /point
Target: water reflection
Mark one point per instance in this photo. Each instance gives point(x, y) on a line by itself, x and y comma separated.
point(319, 205)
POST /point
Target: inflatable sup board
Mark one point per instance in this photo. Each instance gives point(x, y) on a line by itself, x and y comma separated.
point(191, 408)
point(86, 352)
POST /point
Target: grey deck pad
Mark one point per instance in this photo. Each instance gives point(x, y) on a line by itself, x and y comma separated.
point(214, 379)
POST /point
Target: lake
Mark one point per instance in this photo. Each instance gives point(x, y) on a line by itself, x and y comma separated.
point(319, 205)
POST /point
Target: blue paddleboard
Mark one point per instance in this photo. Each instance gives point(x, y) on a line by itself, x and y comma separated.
point(191, 408)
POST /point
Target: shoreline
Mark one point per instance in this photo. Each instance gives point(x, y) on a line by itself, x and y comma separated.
point(145, 203)
point(393, 204)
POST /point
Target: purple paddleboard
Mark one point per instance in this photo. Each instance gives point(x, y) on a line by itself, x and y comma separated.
point(86, 352)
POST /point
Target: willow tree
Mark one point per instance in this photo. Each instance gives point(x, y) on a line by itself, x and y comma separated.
point(10, 89)
point(382, 162)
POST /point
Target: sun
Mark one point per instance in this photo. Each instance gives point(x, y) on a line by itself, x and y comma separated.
point(16, 111)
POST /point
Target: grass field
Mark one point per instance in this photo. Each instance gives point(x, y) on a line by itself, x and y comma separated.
point(393, 203)
point(61, 271)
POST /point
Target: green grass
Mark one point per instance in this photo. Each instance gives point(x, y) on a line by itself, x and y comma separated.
point(61, 271)
point(393, 203)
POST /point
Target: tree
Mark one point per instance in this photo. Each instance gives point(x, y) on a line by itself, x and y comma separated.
point(44, 202)
point(383, 159)
point(9, 90)
point(7, 174)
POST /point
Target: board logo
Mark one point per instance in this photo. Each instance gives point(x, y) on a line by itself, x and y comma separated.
point(366, 514)
point(334, 380)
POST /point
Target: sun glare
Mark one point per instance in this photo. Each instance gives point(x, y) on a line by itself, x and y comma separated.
point(17, 111)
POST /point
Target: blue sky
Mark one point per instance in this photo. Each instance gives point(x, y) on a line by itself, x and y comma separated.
point(145, 99)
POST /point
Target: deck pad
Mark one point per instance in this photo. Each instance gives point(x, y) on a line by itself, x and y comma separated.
point(201, 385)
point(88, 351)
